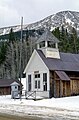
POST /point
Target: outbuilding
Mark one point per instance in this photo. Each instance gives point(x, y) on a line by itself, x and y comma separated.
point(5, 86)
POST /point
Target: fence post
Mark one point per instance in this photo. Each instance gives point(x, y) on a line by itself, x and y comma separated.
point(35, 95)
point(20, 94)
point(26, 94)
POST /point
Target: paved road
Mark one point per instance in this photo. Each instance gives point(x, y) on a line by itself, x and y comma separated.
point(53, 117)
point(36, 113)
point(9, 117)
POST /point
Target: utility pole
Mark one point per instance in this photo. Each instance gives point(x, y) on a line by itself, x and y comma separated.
point(20, 63)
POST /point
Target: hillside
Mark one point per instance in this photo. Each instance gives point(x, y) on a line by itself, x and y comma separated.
point(68, 19)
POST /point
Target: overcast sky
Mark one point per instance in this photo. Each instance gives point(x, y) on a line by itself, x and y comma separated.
point(32, 10)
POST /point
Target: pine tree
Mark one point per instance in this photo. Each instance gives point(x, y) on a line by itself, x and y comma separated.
point(3, 50)
point(56, 32)
point(62, 40)
point(74, 37)
point(11, 36)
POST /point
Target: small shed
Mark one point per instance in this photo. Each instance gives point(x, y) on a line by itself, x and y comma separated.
point(5, 86)
point(15, 89)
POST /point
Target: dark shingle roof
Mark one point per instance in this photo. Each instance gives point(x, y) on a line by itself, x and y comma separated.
point(7, 82)
point(67, 61)
point(48, 36)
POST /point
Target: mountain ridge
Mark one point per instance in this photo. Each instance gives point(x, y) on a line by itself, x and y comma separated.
point(68, 19)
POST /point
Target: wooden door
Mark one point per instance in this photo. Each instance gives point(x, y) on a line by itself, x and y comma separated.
point(66, 88)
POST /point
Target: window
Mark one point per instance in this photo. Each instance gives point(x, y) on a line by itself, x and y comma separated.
point(45, 81)
point(29, 82)
point(35, 84)
point(51, 45)
point(37, 75)
point(38, 84)
point(15, 87)
point(37, 81)
point(42, 44)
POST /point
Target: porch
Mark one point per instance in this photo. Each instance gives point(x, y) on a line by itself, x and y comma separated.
point(30, 95)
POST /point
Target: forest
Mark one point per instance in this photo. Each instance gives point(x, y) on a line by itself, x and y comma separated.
point(13, 51)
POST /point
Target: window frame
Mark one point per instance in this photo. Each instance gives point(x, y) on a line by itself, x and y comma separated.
point(37, 82)
point(44, 81)
point(29, 82)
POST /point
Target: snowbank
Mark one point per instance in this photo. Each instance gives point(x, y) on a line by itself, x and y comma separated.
point(68, 106)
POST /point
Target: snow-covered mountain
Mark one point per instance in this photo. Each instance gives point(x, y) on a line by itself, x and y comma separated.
point(68, 19)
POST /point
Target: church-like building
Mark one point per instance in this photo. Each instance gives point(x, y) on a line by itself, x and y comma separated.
point(52, 73)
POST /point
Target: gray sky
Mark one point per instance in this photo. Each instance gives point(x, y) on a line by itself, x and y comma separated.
point(11, 11)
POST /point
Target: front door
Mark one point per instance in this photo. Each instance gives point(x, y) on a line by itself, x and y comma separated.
point(37, 84)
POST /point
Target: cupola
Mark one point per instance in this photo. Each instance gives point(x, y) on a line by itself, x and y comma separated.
point(48, 43)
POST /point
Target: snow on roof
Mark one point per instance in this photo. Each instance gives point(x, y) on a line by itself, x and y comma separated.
point(14, 83)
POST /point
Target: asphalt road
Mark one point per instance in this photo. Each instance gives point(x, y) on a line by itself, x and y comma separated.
point(13, 117)
point(54, 117)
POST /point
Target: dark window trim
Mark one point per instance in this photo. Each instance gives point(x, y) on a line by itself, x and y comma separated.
point(37, 75)
point(29, 82)
point(45, 81)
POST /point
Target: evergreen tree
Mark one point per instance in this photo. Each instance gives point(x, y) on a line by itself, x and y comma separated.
point(11, 36)
point(3, 50)
point(63, 41)
point(56, 32)
point(74, 40)
point(68, 42)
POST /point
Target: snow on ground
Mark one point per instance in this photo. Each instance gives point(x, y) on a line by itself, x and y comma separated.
point(67, 106)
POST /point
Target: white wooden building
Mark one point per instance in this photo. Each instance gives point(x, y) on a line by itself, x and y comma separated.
point(37, 73)
point(52, 73)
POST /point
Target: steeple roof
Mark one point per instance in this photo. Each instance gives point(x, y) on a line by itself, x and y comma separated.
point(47, 36)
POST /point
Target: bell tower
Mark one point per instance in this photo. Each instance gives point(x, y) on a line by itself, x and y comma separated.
point(48, 43)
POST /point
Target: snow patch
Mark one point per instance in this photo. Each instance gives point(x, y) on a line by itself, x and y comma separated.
point(69, 22)
point(68, 106)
